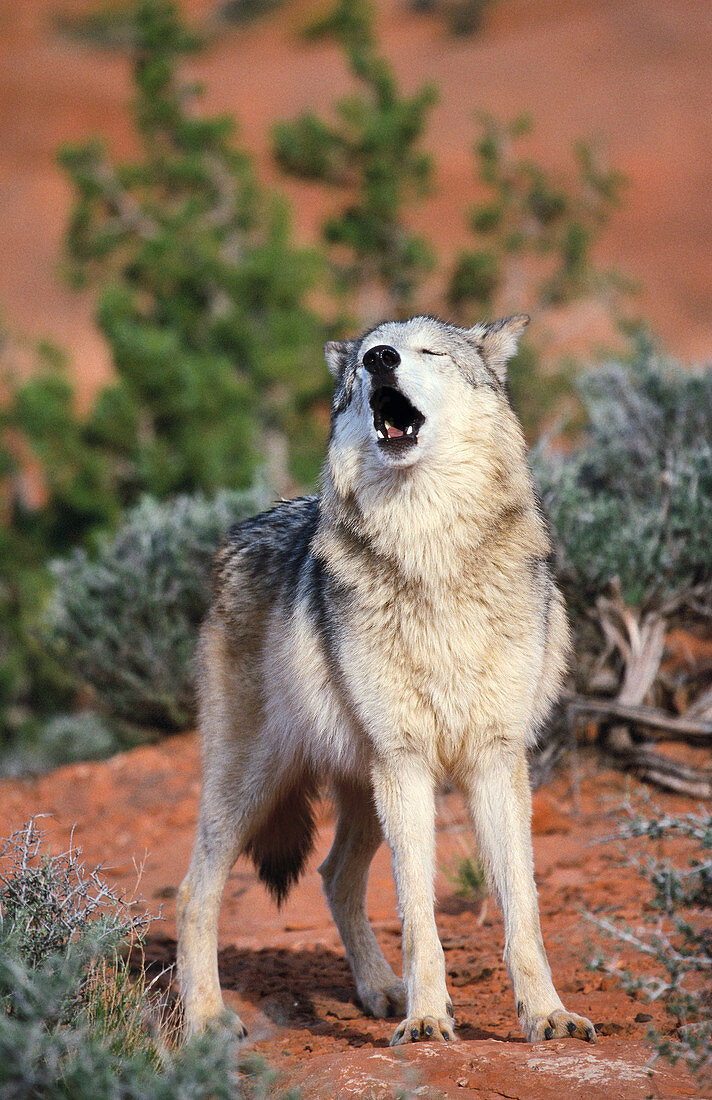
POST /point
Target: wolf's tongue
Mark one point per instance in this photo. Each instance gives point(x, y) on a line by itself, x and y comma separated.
point(394, 433)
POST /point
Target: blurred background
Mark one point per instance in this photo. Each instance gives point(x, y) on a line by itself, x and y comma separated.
point(637, 78)
point(194, 196)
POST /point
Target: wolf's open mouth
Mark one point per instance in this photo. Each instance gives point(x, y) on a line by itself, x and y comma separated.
point(396, 421)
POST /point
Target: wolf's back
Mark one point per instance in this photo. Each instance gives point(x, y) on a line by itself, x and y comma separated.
point(261, 559)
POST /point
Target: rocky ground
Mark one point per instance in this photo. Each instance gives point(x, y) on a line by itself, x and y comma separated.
point(285, 970)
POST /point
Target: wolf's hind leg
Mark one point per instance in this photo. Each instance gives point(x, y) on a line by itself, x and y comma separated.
point(222, 831)
point(500, 803)
point(345, 872)
point(218, 843)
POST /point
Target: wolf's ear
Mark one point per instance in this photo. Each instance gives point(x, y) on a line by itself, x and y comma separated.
point(497, 343)
point(336, 353)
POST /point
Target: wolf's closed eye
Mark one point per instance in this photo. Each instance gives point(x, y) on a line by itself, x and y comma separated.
point(427, 351)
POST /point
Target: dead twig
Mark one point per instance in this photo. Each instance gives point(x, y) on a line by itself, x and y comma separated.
point(666, 727)
point(665, 773)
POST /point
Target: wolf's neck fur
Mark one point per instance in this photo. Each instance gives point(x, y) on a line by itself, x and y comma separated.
point(432, 524)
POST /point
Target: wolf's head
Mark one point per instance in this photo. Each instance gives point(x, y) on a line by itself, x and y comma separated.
point(426, 455)
point(411, 390)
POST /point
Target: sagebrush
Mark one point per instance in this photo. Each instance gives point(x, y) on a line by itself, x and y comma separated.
point(633, 501)
point(76, 1022)
point(632, 526)
point(62, 739)
point(125, 622)
point(673, 947)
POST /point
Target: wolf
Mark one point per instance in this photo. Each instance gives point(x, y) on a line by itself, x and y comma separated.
point(399, 630)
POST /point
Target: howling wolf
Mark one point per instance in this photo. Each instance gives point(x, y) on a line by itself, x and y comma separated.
point(398, 630)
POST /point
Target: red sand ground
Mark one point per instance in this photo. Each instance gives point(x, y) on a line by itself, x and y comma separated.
point(639, 75)
point(285, 970)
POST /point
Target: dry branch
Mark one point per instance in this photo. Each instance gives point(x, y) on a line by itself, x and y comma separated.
point(668, 774)
point(666, 727)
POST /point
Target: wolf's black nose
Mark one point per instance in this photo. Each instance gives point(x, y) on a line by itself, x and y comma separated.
point(381, 358)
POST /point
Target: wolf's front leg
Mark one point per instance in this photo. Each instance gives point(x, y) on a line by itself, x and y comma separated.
point(405, 800)
point(500, 803)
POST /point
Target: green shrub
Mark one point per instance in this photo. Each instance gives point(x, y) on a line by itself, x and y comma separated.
point(63, 739)
point(125, 622)
point(534, 235)
point(533, 231)
point(632, 504)
point(371, 150)
point(74, 1023)
point(202, 291)
point(474, 277)
point(77, 496)
point(674, 948)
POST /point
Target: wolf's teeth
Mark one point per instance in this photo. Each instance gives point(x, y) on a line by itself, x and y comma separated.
point(381, 434)
point(388, 424)
point(409, 430)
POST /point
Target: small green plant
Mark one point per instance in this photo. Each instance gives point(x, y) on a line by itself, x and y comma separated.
point(673, 951)
point(469, 878)
point(372, 153)
point(125, 622)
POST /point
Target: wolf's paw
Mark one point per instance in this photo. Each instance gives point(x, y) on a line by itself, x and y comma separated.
point(560, 1025)
point(429, 1028)
point(224, 1021)
point(383, 1001)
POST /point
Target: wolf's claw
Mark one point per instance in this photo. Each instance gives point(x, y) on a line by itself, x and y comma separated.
point(415, 1028)
point(226, 1021)
point(388, 1001)
point(560, 1025)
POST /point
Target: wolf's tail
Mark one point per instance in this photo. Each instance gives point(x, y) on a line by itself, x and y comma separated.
point(281, 846)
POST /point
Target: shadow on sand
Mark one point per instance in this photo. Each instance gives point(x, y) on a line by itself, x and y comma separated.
point(305, 989)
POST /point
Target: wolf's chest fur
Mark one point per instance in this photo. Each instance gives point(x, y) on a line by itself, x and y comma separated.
point(429, 663)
